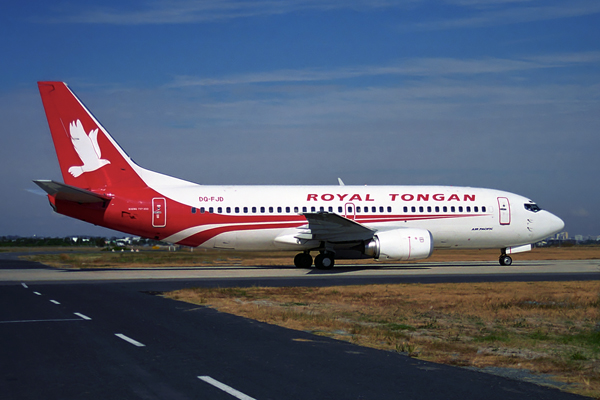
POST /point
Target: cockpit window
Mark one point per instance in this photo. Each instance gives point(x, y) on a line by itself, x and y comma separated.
point(532, 207)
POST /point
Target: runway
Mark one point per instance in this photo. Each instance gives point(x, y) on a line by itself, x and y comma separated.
point(15, 270)
point(101, 334)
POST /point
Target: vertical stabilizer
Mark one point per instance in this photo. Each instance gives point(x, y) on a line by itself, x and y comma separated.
point(89, 157)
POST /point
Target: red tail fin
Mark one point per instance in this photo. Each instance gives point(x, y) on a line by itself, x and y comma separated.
point(89, 157)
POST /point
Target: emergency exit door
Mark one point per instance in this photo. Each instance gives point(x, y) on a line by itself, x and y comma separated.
point(159, 212)
point(349, 211)
point(504, 210)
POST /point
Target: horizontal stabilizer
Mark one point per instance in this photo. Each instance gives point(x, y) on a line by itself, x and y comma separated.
point(332, 227)
point(61, 191)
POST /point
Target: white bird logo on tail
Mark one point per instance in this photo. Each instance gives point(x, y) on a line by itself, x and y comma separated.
point(87, 148)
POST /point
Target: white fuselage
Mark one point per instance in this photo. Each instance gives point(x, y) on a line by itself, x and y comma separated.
point(457, 217)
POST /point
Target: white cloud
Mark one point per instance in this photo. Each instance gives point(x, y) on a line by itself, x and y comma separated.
point(486, 13)
point(195, 11)
point(415, 67)
point(580, 212)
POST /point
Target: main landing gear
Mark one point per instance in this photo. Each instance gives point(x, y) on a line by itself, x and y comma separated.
point(303, 260)
point(325, 260)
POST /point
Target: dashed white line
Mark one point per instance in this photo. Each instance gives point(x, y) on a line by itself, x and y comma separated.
point(83, 316)
point(225, 388)
point(39, 320)
point(37, 293)
point(24, 285)
point(130, 340)
point(54, 302)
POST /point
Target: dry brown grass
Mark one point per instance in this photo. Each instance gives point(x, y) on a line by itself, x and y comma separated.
point(199, 257)
point(545, 327)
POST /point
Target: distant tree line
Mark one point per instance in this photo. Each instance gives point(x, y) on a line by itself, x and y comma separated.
point(73, 241)
point(16, 241)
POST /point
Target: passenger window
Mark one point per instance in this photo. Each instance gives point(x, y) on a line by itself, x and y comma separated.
point(193, 210)
point(460, 209)
point(271, 210)
point(228, 210)
point(437, 208)
point(262, 210)
point(358, 209)
point(350, 210)
point(413, 209)
point(296, 210)
point(389, 209)
point(245, 210)
point(476, 209)
point(237, 210)
point(253, 210)
point(428, 209)
point(452, 209)
point(483, 209)
point(321, 208)
point(374, 209)
point(405, 209)
point(381, 209)
point(304, 209)
point(287, 210)
point(420, 209)
point(313, 209)
point(445, 209)
point(330, 209)
point(340, 210)
point(201, 210)
point(220, 210)
point(468, 208)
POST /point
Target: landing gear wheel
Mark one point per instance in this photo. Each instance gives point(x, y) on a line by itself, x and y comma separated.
point(324, 261)
point(303, 260)
point(505, 260)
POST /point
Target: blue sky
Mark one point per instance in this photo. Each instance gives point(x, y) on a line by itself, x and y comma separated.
point(489, 93)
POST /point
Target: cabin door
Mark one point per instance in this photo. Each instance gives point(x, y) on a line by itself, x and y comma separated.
point(159, 212)
point(349, 211)
point(504, 210)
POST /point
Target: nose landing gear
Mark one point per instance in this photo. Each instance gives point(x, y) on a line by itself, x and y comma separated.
point(504, 259)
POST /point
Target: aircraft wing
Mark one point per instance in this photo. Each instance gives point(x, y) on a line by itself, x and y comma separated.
point(61, 191)
point(330, 227)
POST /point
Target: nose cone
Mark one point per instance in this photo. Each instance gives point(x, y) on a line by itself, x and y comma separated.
point(550, 224)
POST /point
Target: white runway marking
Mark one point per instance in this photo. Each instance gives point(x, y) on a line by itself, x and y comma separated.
point(39, 320)
point(54, 301)
point(130, 340)
point(225, 388)
point(37, 293)
point(83, 316)
point(24, 285)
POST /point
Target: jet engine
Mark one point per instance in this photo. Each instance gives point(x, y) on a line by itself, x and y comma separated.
point(400, 244)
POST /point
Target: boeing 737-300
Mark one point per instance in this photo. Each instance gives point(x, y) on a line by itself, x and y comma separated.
point(103, 186)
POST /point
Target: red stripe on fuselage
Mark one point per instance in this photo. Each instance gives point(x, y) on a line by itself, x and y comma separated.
point(244, 223)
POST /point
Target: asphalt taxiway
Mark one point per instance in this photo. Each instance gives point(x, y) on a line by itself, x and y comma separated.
point(12, 269)
point(103, 334)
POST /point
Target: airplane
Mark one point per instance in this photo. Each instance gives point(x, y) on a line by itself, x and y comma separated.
point(103, 186)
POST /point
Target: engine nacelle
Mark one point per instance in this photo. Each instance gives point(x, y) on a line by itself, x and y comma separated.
point(400, 244)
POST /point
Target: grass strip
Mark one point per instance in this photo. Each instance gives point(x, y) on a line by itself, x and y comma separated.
point(548, 329)
point(90, 258)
